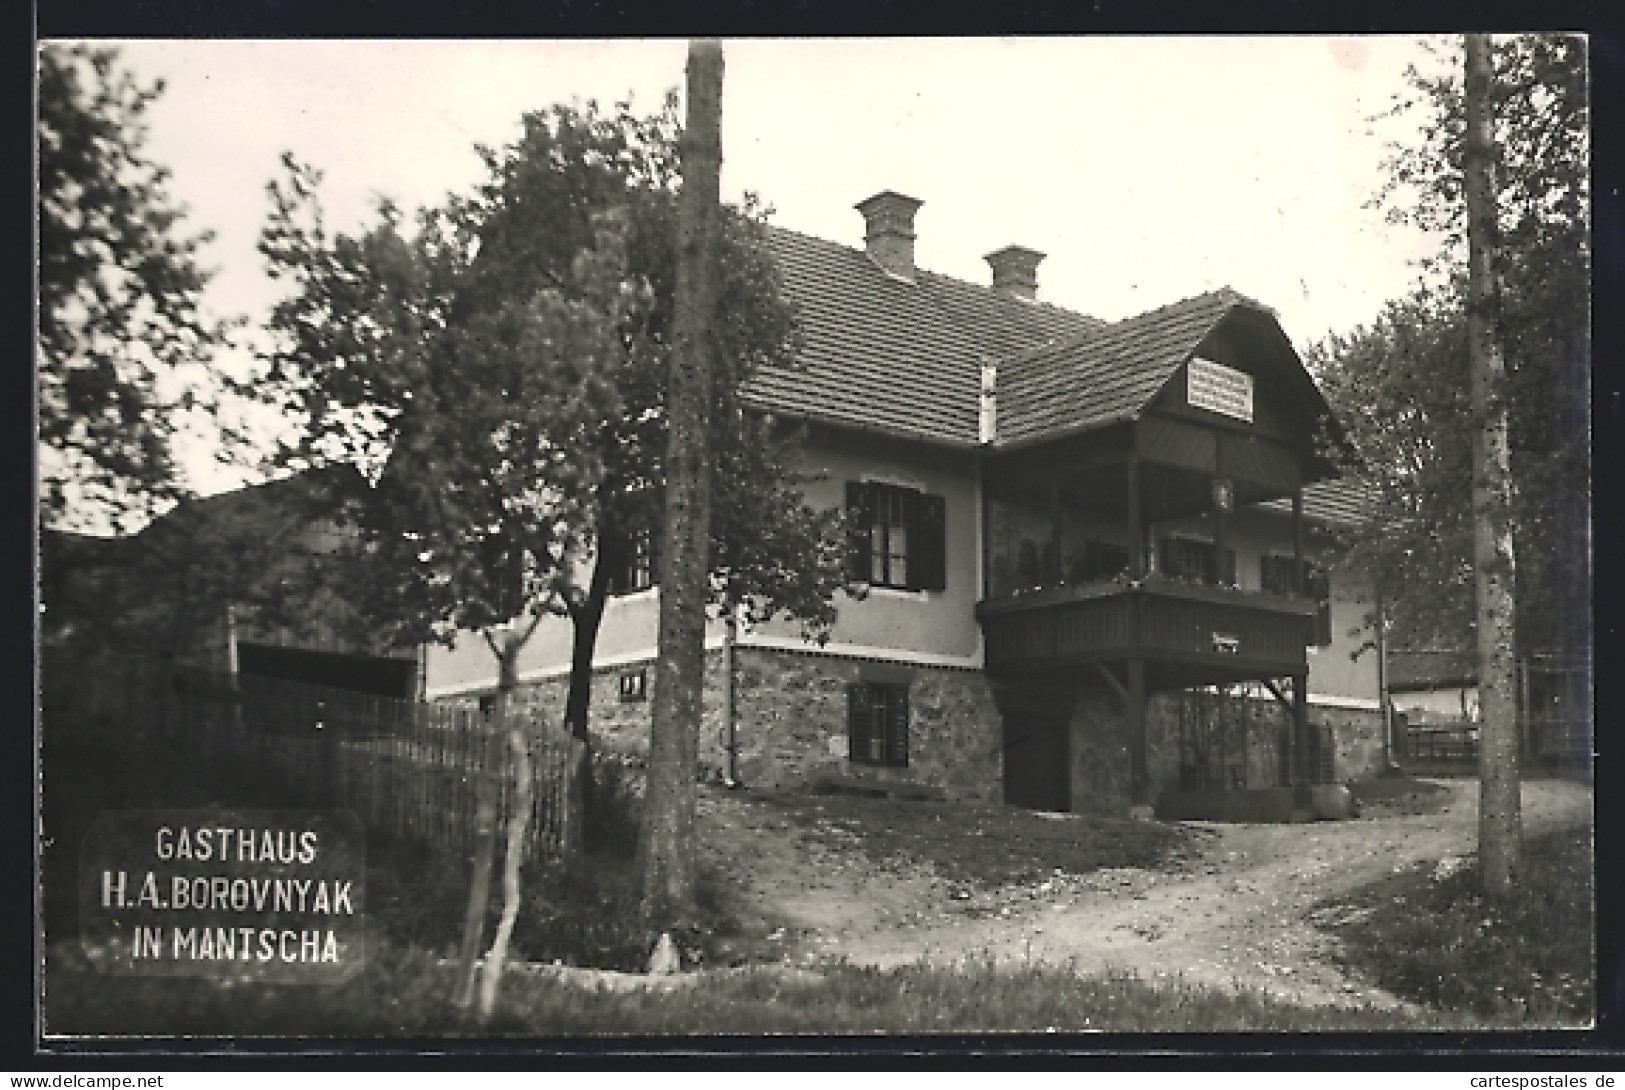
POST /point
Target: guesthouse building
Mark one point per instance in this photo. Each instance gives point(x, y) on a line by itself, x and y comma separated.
point(1100, 557)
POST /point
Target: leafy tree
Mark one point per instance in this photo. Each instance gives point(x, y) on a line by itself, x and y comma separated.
point(501, 376)
point(1401, 385)
point(1540, 129)
point(398, 351)
point(119, 289)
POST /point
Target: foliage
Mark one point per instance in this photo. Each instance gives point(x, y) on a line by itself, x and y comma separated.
point(119, 289)
point(1429, 936)
point(501, 373)
point(401, 994)
point(1401, 384)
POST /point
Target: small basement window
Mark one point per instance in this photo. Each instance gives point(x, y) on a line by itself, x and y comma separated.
point(877, 723)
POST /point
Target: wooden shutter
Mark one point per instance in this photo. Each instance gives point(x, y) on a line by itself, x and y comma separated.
point(857, 722)
point(1269, 575)
point(897, 726)
point(860, 516)
point(927, 542)
point(1318, 585)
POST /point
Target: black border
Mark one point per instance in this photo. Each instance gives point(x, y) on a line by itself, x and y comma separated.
point(1547, 1052)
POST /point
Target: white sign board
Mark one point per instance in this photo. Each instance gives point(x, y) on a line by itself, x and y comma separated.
point(1218, 388)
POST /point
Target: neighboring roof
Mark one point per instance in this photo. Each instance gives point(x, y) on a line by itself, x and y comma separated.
point(1107, 374)
point(1419, 671)
point(881, 352)
point(1339, 502)
point(274, 505)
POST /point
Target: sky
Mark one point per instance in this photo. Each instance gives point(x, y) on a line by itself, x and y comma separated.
point(1146, 169)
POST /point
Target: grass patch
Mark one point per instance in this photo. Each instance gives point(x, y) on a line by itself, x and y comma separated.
point(401, 994)
point(1427, 935)
point(1398, 794)
point(980, 844)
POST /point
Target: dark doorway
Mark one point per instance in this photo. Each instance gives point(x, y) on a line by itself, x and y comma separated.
point(1037, 764)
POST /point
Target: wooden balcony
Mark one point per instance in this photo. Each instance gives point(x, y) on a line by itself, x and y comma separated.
point(1187, 634)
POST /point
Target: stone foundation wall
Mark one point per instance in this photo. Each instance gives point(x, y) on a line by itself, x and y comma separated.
point(1100, 740)
point(790, 720)
point(790, 713)
point(792, 707)
point(622, 727)
point(1099, 743)
point(1358, 732)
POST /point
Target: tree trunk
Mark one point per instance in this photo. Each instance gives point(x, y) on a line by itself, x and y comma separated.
point(667, 845)
point(487, 801)
point(584, 622)
point(524, 798)
point(1499, 822)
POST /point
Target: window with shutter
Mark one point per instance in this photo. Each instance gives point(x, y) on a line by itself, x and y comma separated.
point(896, 537)
point(877, 723)
point(1275, 576)
point(1318, 585)
point(930, 542)
point(1198, 561)
point(859, 520)
point(639, 564)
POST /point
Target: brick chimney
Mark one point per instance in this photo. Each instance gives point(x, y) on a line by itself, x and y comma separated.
point(1015, 271)
point(888, 231)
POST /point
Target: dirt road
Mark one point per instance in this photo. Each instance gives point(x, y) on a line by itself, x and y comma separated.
point(1237, 913)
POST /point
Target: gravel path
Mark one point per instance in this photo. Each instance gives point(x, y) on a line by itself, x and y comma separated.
point(1241, 916)
point(1235, 910)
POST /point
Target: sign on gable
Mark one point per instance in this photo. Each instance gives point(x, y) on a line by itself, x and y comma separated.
point(1218, 388)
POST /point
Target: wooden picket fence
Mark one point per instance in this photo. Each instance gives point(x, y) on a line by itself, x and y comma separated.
point(408, 769)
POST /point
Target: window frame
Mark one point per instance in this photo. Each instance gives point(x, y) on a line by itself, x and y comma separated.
point(877, 724)
point(1214, 570)
point(880, 515)
point(1317, 585)
point(639, 569)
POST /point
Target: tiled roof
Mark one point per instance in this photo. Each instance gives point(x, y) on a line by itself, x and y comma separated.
point(1106, 374)
point(881, 352)
point(905, 357)
point(1338, 502)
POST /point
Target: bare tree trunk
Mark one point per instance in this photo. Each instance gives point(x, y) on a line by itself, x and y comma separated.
point(524, 798)
point(667, 844)
point(487, 801)
point(1499, 819)
point(585, 619)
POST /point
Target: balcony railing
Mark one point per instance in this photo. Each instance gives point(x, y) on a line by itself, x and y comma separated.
point(1223, 629)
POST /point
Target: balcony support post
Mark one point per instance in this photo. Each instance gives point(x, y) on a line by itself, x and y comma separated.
point(1136, 532)
point(1300, 726)
point(1053, 568)
point(1139, 773)
point(1297, 542)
